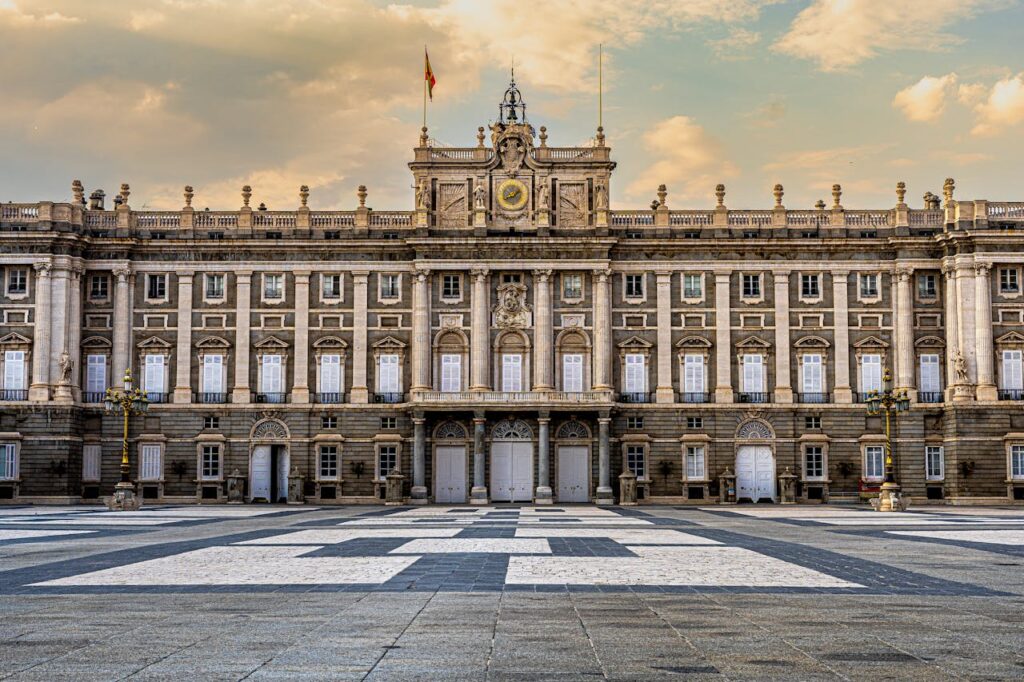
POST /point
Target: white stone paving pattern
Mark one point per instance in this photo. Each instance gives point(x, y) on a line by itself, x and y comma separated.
point(10, 534)
point(639, 536)
point(474, 545)
point(332, 536)
point(1014, 538)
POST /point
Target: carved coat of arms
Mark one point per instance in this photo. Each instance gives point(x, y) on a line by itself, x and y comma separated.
point(512, 312)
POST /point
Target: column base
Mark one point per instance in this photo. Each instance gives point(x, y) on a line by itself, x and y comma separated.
point(963, 393)
point(300, 396)
point(39, 393)
point(63, 394)
point(418, 495)
point(478, 495)
point(784, 395)
point(543, 495)
point(241, 395)
point(723, 395)
point(987, 392)
point(359, 395)
point(182, 395)
point(843, 395)
point(604, 497)
point(664, 394)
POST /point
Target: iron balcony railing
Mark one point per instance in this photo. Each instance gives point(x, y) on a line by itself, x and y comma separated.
point(812, 398)
point(329, 398)
point(93, 396)
point(13, 394)
point(272, 398)
point(635, 397)
point(929, 397)
point(154, 397)
point(1011, 394)
point(753, 397)
point(211, 398)
point(691, 397)
point(388, 397)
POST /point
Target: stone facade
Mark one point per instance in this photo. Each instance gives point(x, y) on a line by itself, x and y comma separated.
point(512, 337)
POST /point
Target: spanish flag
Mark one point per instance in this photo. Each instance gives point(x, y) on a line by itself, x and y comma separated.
point(428, 74)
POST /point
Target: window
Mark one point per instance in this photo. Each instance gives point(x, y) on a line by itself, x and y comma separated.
point(213, 374)
point(926, 286)
point(451, 287)
point(154, 377)
point(751, 286)
point(91, 462)
point(695, 463)
point(270, 376)
point(753, 373)
point(869, 285)
point(511, 372)
point(634, 423)
point(156, 287)
point(330, 376)
point(389, 423)
point(1009, 281)
point(387, 460)
point(636, 461)
point(934, 463)
point(387, 374)
point(328, 466)
point(930, 374)
point(693, 375)
point(211, 422)
point(874, 462)
point(96, 376)
point(8, 461)
point(511, 278)
point(273, 287)
point(636, 373)
point(812, 423)
point(693, 286)
point(870, 373)
point(695, 422)
point(210, 463)
point(328, 422)
point(17, 281)
point(451, 373)
point(634, 286)
point(389, 286)
point(572, 285)
point(14, 370)
point(1012, 378)
point(331, 287)
point(814, 462)
point(811, 364)
point(215, 286)
point(1016, 461)
point(810, 286)
point(150, 466)
point(572, 373)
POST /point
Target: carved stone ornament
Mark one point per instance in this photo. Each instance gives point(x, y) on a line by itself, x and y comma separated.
point(572, 430)
point(451, 430)
point(512, 153)
point(480, 198)
point(754, 430)
point(960, 365)
point(269, 429)
point(512, 312)
point(510, 429)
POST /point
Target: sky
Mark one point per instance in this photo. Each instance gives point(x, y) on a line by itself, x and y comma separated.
point(275, 94)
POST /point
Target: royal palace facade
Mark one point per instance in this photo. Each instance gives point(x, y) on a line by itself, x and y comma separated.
point(512, 338)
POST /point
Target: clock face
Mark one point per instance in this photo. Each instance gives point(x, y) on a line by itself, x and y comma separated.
point(512, 195)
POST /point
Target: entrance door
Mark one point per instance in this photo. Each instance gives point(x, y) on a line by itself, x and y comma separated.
point(572, 474)
point(283, 461)
point(259, 473)
point(511, 472)
point(450, 476)
point(755, 473)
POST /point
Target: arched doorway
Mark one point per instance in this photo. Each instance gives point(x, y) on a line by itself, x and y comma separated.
point(450, 463)
point(268, 461)
point(512, 461)
point(755, 461)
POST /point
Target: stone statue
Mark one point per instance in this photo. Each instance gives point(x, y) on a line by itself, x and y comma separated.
point(542, 197)
point(67, 365)
point(601, 197)
point(480, 198)
point(422, 196)
point(960, 365)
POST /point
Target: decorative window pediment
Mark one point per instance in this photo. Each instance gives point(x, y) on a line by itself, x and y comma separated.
point(213, 343)
point(452, 430)
point(389, 343)
point(1008, 339)
point(96, 342)
point(812, 342)
point(15, 339)
point(636, 343)
point(330, 342)
point(573, 430)
point(755, 429)
point(512, 429)
point(753, 343)
point(271, 343)
point(871, 342)
point(934, 342)
point(154, 343)
point(693, 342)
point(269, 429)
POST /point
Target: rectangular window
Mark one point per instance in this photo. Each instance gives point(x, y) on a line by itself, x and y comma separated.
point(634, 286)
point(572, 373)
point(388, 423)
point(636, 461)
point(17, 281)
point(814, 462)
point(273, 287)
point(812, 423)
point(870, 373)
point(270, 377)
point(1009, 281)
point(753, 374)
point(14, 370)
point(328, 422)
point(451, 373)
point(210, 422)
point(511, 372)
point(572, 285)
point(874, 462)
point(634, 423)
point(213, 374)
point(812, 382)
point(695, 463)
point(1016, 461)
point(930, 374)
point(810, 286)
point(387, 460)
point(211, 462)
point(695, 422)
point(150, 466)
point(636, 373)
point(99, 287)
point(693, 374)
point(156, 287)
point(328, 467)
point(869, 285)
point(91, 462)
point(215, 286)
point(8, 461)
point(934, 463)
point(330, 374)
point(926, 286)
point(693, 286)
point(751, 286)
point(511, 278)
point(96, 374)
point(387, 374)
point(389, 286)
point(331, 287)
point(155, 376)
point(1012, 377)
point(451, 286)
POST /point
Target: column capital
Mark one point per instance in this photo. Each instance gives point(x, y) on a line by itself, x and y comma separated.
point(419, 421)
point(42, 269)
point(544, 420)
point(949, 270)
point(543, 275)
point(185, 276)
point(421, 274)
point(781, 276)
point(663, 275)
point(982, 269)
point(301, 275)
point(479, 272)
point(904, 272)
point(602, 274)
point(604, 421)
point(360, 275)
point(723, 277)
point(837, 274)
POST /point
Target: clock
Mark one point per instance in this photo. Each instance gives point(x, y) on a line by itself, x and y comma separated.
point(512, 194)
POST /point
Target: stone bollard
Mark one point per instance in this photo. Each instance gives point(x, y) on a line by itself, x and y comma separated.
point(627, 489)
point(295, 480)
point(393, 488)
point(236, 486)
point(727, 487)
point(787, 487)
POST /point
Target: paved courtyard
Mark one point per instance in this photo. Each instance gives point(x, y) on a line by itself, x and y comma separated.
point(511, 592)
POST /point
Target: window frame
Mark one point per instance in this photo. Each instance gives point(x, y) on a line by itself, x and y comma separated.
point(451, 287)
point(811, 280)
point(866, 460)
point(695, 453)
point(154, 280)
point(929, 452)
point(265, 281)
point(10, 460)
point(210, 280)
point(686, 293)
point(397, 455)
point(755, 280)
point(339, 295)
point(146, 467)
point(566, 295)
point(92, 462)
point(23, 292)
point(630, 282)
point(863, 295)
point(818, 451)
point(1009, 282)
point(633, 452)
point(397, 297)
point(217, 452)
point(328, 450)
point(93, 280)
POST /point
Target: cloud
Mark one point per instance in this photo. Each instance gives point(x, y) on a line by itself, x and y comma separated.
point(736, 45)
point(13, 16)
point(926, 99)
point(1002, 107)
point(687, 159)
point(768, 114)
point(839, 34)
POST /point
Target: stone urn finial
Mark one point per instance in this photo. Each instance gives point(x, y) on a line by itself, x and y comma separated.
point(778, 192)
point(304, 195)
point(837, 193)
point(246, 195)
point(662, 194)
point(361, 193)
point(820, 204)
point(901, 192)
point(125, 191)
point(78, 192)
point(600, 136)
point(543, 136)
point(720, 195)
point(947, 191)
point(188, 196)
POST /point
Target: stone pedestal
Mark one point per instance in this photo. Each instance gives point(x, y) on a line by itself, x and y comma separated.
point(393, 489)
point(63, 394)
point(478, 495)
point(727, 487)
point(627, 489)
point(124, 498)
point(236, 488)
point(890, 499)
point(963, 393)
point(787, 487)
point(295, 481)
point(543, 219)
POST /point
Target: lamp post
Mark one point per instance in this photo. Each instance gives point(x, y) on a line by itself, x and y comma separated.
point(888, 401)
point(127, 402)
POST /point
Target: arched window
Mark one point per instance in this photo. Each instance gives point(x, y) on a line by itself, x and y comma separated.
point(572, 350)
point(512, 362)
point(451, 361)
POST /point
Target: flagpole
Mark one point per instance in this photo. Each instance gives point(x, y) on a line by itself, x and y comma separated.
point(600, 85)
point(424, 89)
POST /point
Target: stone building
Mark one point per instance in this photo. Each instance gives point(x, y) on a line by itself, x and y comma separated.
point(512, 337)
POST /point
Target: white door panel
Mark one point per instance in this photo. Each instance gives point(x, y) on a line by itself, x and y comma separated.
point(512, 472)
point(260, 472)
point(450, 478)
point(755, 473)
point(572, 474)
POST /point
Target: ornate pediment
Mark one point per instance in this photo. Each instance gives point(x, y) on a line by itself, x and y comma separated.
point(812, 342)
point(871, 342)
point(512, 311)
point(269, 429)
point(753, 342)
point(15, 339)
point(389, 342)
point(1010, 339)
point(635, 342)
point(693, 342)
point(930, 342)
point(271, 343)
point(453, 430)
point(154, 342)
point(96, 342)
point(330, 342)
point(214, 342)
point(573, 430)
point(754, 429)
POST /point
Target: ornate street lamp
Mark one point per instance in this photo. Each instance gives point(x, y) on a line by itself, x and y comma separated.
point(129, 401)
point(888, 401)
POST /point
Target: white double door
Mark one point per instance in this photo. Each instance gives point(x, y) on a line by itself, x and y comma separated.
point(511, 471)
point(755, 473)
point(261, 478)
point(450, 474)
point(573, 478)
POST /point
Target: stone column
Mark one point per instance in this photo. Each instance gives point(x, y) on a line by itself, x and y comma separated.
point(359, 392)
point(478, 495)
point(480, 331)
point(39, 389)
point(418, 494)
point(783, 375)
point(604, 462)
point(59, 280)
point(983, 332)
point(122, 326)
point(421, 330)
point(602, 331)
point(75, 329)
point(300, 383)
point(543, 492)
point(965, 315)
point(183, 361)
point(905, 374)
point(723, 340)
point(952, 327)
point(664, 393)
point(243, 299)
point(842, 392)
point(543, 357)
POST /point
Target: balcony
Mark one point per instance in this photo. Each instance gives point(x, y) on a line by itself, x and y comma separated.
point(756, 397)
point(272, 398)
point(329, 398)
point(154, 397)
point(929, 397)
point(9, 394)
point(93, 396)
point(813, 398)
point(388, 398)
point(211, 398)
point(1011, 394)
point(512, 397)
point(690, 397)
point(634, 397)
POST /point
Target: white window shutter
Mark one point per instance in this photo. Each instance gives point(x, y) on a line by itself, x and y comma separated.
point(693, 374)
point(213, 373)
point(271, 374)
point(14, 370)
point(753, 374)
point(511, 372)
point(154, 374)
point(151, 468)
point(930, 374)
point(387, 371)
point(635, 373)
point(1012, 375)
point(812, 373)
point(572, 373)
point(330, 374)
point(96, 373)
point(451, 373)
point(871, 373)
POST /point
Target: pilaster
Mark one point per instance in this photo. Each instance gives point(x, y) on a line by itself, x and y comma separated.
point(40, 387)
point(604, 464)
point(243, 293)
point(543, 493)
point(905, 333)
point(602, 331)
point(664, 392)
point(300, 383)
point(421, 330)
point(478, 494)
point(543, 380)
point(952, 327)
point(480, 330)
point(418, 492)
point(183, 366)
point(360, 390)
point(783, 385)
point(723, 339)
point(122, 324)
point(983, 332)
point(843, 393)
